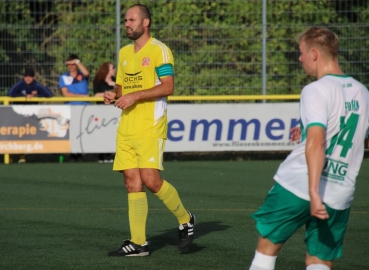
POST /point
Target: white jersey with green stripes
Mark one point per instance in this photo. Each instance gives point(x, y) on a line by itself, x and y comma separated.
point(340, 104)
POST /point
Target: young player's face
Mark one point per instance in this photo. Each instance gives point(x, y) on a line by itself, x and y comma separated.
point(307, 59)
point(134, 24)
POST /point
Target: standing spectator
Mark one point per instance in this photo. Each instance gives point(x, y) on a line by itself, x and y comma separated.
point(145, 78)
point(28, 87)
point(74, 83)
point(104, 81)
point(315, 184)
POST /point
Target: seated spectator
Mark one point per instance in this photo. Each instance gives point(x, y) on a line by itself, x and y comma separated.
point(104, 81)
point(74, 83)
point(28, 87)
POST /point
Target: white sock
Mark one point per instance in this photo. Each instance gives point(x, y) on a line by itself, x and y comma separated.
point(317, 267)
point(263, 262)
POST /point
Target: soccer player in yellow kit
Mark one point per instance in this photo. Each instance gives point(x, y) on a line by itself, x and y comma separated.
point(144, 80)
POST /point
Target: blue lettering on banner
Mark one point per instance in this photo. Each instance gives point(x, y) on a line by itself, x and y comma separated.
point(274, 124)
point(244, 125)
point(206, 125)
point(177, 129)
point(173, 126)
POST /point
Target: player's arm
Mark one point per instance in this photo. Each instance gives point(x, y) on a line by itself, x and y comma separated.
point(166, 88)
point(315, 157)
point(165, 74)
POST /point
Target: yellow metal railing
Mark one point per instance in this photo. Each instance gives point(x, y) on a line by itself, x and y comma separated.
point(7, 100)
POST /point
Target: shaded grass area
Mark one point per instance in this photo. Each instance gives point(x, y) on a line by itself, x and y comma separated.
point(68, 216)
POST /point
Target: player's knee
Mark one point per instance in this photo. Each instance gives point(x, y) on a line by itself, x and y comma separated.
point(154, 185)
point(133, 186)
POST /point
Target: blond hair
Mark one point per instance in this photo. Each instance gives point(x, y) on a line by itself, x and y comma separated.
point(322, 38)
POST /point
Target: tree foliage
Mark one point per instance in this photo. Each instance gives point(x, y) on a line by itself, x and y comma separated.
point(217, 44)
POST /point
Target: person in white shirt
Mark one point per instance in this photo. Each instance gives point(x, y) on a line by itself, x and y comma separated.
point(315, 184)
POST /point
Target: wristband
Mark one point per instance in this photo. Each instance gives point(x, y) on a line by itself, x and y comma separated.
point(77, 61)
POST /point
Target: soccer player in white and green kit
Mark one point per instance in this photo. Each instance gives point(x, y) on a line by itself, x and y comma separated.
point(315, 184)
point(145, 78)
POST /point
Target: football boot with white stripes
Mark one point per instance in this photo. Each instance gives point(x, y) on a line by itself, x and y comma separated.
point(185, 233)
point(131, 249)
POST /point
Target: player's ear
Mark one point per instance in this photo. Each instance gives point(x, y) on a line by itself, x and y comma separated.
point(314, 54)
point(146, 22)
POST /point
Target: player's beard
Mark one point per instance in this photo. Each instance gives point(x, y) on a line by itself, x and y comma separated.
point(134, 35)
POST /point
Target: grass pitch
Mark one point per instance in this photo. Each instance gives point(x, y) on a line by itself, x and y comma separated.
point(68, 216)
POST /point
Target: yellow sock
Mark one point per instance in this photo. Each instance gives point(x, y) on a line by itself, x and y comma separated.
point(169, 195)
point(137, 213)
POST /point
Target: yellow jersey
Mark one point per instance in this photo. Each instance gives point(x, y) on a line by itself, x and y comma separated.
point(140, 71)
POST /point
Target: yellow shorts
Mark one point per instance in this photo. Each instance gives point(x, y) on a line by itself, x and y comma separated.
point(139, 153)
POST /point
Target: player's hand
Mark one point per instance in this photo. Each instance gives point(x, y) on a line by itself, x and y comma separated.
point(317, 208)
point(109, 97)
point(295, 134)
point(125, 101)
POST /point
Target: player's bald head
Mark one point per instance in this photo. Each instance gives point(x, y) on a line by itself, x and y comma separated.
point(144, 11)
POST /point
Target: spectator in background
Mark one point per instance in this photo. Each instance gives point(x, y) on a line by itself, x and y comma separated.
point(28, 87)
point(104, 81)
point(74, 83)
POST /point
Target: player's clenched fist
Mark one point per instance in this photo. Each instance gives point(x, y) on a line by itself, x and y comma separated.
point(109, 97)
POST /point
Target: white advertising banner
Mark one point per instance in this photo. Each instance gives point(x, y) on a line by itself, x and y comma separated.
point(93, 128)
point(30, 129)
point(231, 127)
point(194, 127)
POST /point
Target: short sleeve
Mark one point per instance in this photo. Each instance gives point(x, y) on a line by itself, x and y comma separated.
point(61, 82)
point(314, 106)
point(163, 56)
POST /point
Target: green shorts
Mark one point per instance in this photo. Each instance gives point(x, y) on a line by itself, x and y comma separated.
point(283, 213)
